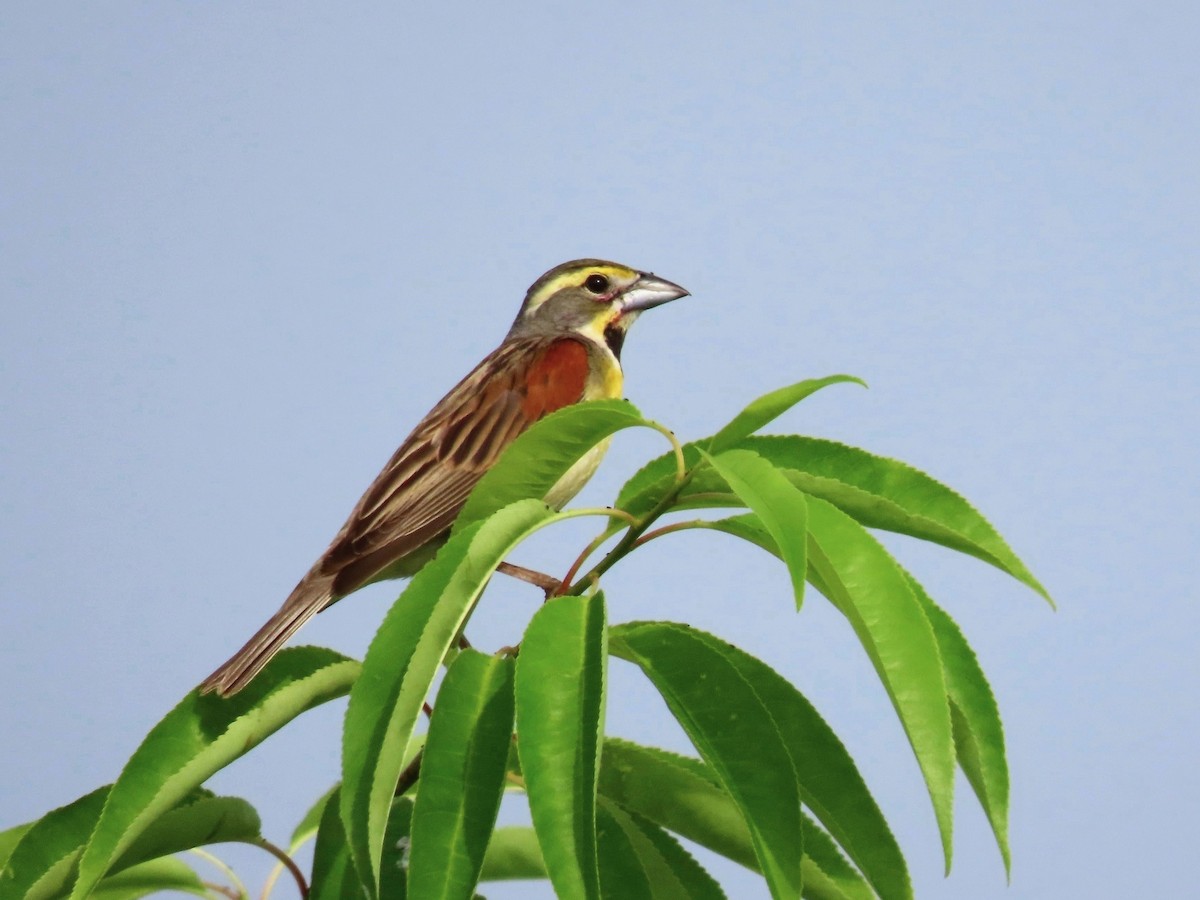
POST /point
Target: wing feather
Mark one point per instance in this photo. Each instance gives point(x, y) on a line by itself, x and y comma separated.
point(427, 481)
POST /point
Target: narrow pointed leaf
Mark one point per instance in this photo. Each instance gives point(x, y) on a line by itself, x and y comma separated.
point(512, 854)
point(307, 828)
point(623, 873)
point(401, 664)
point(670, 872)
point(680, 793)
point(827, 874)
point(885, 493)
point(876, 491)
point(829, 781)
point(152, 877)
point(397, 844)
point(769, 407)
point(462, 776)
point(830, 784)
point(560, 719)
point(780, 507)
point(695, 879)
point(333, 873)
point(749, 528)
point(867, 585)
point(538, 458)
point(43, 866)
point(978, 733)
point(43, 860)
point(202, 819)
point(684, 795)
point(334, 876)
point(9, 838)
point(735, 733)
point(200, 736)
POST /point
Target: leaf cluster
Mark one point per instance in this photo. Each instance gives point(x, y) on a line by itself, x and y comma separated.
point(771, 787)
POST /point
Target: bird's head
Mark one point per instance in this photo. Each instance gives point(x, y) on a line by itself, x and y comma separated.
point(596, 299)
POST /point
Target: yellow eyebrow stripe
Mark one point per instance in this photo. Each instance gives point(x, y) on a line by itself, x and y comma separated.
point(575, 278)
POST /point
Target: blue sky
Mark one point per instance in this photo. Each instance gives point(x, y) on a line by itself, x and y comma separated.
point(244, 247)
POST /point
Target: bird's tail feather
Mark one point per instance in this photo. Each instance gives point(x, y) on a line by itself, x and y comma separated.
point(235, 673)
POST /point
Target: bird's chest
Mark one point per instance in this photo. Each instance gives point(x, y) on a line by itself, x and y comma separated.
point(604, 382)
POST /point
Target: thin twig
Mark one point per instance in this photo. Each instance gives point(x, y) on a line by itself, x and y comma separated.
point(670, 529)
point(676, 447)
point(239, 886)
point(288, 863)
point(547, 583)
point(410, 774)
point(630, 538)
point(591, 548)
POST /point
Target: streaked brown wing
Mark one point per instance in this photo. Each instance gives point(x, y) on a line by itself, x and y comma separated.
point(424, 485)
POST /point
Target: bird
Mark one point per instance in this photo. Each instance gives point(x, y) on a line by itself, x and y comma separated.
point(564, 347)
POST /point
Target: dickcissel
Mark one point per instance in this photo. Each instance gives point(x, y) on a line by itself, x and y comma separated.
point(563, 347)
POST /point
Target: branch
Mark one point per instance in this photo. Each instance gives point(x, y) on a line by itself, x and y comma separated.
point(288, 863)
point(410, 774)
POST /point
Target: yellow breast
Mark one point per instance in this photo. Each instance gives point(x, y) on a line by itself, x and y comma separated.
point(605, 382)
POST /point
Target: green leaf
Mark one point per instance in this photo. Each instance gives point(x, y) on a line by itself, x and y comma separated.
point(312, 819)
point(679, 793)
point(9, 838)
point(978, 734)
point(42, 864)
point(200, 736)
point(334, 876)
point(144, 879)
point(748, 527)
point(540, 456)
point(462, 776)
point(199, 820)
point(734, 731)
point(866, 584)
point(333, 873)
point(667, 870)
point(696, 881)
point(769, 407)
point(401, 664)
point(42, 861)
point(827, 875)
point(684, 795)
point(393, 884)
point(560, 719)
point(622, 873)
point(512, 854)
point(780, 507)
point(892, 495)
point(876, 491)
point(830, 783)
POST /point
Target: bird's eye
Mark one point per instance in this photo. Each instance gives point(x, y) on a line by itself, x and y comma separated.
point(596, 283)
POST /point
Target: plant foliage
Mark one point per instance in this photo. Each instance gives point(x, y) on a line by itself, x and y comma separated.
point(771, 787)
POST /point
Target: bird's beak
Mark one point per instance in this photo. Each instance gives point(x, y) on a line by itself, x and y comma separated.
point(648, 291)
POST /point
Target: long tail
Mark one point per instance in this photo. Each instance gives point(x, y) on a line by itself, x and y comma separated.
point(308, 599)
